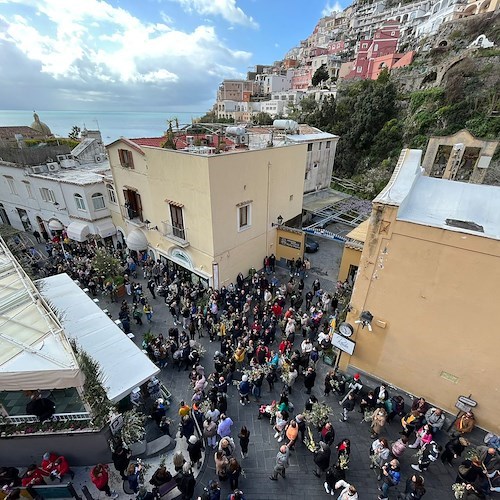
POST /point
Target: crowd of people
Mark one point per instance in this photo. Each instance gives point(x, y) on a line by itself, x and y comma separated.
point(269, 333)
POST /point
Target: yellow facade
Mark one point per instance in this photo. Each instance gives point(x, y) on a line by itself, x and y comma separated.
point(352, 252)
point(210, 189)
point(433, 294)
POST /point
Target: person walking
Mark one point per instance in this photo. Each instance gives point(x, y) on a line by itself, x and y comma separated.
point(379, 418)
point(282, 463)
point(244, 437)
point(194, 449)
point(234, 471)
point(148, 311)
point(100, 478)
point(322, 459)
point(347, 406)
point(121, 458)
point(391, 476)
point(309, 379)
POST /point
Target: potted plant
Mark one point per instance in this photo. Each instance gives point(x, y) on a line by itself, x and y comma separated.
point(133, 432)
point(109, 267)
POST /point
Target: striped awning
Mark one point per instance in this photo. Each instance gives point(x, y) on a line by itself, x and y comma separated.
point(174, 203)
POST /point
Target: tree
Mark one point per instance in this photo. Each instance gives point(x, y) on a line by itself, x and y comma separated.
point(320, 75)
point(75, 132)
point(263, 119)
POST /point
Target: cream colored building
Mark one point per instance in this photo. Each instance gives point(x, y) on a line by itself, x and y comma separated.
point(429, 275)
point(208, 215)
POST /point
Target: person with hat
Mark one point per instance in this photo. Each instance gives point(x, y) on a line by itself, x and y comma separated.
point(194, 449)
point(244, 390)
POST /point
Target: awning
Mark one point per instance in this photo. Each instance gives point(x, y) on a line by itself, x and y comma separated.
point(77, 231)
point(137, 240)
point(55, 225)
point(105, 228)
point(123, 365)
point(174, 203)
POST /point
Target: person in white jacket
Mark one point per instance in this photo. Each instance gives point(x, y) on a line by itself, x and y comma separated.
point(348, 490)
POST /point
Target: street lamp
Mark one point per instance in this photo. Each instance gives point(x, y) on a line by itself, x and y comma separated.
point(280, 221)
point(365, 319)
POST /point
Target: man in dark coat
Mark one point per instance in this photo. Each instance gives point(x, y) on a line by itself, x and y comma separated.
point(121, 459)
point(322, 458)
point(309, 378)
point(186, 482)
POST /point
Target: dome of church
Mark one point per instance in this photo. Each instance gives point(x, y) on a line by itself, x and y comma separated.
point(40, 127)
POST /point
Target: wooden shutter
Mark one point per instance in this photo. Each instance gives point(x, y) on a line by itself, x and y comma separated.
point(138, 203)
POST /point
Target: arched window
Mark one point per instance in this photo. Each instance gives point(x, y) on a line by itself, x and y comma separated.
point(80, 202)
point(111, 193)
point(98, 201)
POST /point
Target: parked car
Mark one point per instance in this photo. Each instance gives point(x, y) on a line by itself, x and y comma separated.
point(311, 245)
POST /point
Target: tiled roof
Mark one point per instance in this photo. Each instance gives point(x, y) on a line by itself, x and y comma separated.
point(156, 142)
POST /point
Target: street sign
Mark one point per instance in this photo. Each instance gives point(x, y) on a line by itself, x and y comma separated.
point(465, 404)
point(343, 343)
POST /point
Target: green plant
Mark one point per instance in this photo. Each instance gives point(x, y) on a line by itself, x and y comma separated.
point(106, 265)
point(133, 429)
point(94, 392)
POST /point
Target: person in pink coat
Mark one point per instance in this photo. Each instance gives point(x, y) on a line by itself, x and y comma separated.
point(424, 436)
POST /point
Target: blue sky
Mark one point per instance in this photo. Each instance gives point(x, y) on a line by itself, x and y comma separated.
point(141, 54)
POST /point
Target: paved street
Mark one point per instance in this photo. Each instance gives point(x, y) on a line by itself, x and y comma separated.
point(263, 447)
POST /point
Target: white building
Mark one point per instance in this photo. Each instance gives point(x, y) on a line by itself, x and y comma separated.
point(66, 194)
point(274, 83)
point(442, 11)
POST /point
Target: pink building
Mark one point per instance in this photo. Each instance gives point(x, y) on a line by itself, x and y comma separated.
point(336, 47)
point(302, 78)
point(384, 43)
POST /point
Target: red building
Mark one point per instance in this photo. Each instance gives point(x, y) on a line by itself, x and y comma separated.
point(384, 43)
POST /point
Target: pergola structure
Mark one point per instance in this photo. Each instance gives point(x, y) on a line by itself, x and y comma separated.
point(344, 209)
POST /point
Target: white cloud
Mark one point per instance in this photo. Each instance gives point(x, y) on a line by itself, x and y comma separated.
point(227, 9)
point(90, 45)
point(331, 7)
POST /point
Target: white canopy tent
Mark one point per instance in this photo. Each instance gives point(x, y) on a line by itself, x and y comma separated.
point(124, 366)
point(34, 352)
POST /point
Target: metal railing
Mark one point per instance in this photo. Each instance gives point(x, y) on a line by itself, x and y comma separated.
point(57, 417)
point(175, 232)
point(130, 214)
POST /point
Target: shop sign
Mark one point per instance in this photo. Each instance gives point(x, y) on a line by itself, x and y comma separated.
point(286, 242)
point(343, 343)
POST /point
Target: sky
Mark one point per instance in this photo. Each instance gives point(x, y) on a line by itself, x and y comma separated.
point(141, 55)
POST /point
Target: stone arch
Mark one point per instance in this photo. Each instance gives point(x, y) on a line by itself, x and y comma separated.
point(443, 43)
point(430, 77)
point(470, 11)
point(484, 6)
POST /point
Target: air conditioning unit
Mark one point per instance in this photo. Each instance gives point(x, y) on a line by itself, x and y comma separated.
point(53, 167)
point(38, 169)
point(99, 158)
point(190, 139)
point(243, 139)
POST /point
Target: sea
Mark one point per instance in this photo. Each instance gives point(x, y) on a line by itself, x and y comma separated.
point(112, 124)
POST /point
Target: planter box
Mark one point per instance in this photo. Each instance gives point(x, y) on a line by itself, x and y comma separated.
point(138, 448)
point(328, 360)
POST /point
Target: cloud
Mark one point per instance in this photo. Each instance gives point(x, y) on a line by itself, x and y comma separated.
point(226, 9)
point(331, 7)
point(93, 52)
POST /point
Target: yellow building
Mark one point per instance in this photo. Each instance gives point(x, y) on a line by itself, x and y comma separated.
point(429, 274)
point(352, 252)
point(208, 215)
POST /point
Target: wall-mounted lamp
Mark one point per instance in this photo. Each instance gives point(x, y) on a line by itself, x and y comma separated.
point(280, 221)
point(148, 222)
point(365, 319)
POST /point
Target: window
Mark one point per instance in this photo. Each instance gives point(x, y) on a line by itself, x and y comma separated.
point(111, 193)
point(310, 147)
point(10, 182)
point(177, 221)
point(244, 217)
point(126, 158)
point(98, 201)
point(28, 189)
point(80, 203)
point(359, 69)
point(47, 195)
point(319, 146)
point(328, 143)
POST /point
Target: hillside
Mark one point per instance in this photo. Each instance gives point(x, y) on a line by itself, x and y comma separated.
point(448, 87)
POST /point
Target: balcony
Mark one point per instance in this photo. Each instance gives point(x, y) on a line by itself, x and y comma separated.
point(133, 216)
point(29, 425)
point(174, 233)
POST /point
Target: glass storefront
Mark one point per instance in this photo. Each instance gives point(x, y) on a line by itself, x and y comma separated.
point(174, 268)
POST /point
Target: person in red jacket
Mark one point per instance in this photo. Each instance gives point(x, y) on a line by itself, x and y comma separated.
point(61, 468)
point(48, 461)
point(34, 476)
point(99, 476)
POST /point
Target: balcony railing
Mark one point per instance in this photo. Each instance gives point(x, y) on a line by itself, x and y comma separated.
point(57, 417)
point(132, 215)
point(175, 233)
